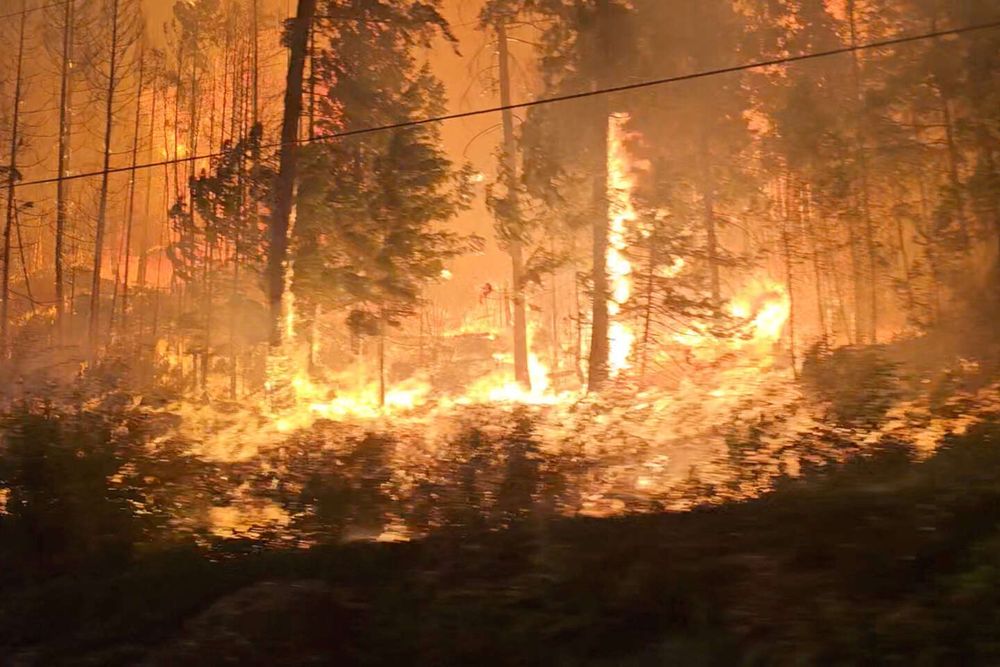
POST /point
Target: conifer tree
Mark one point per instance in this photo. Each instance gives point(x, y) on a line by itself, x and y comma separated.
point(369, 226)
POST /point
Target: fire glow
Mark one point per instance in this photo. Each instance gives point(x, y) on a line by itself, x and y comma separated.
point(760, 310)
point(622, 215)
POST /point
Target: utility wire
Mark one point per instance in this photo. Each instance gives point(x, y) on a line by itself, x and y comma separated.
point(896, 41)
point(28, 10)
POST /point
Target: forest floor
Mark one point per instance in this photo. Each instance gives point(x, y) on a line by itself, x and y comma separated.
point(881, 559)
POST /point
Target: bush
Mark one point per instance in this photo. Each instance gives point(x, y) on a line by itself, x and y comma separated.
point(860, 384)
point(61, 512)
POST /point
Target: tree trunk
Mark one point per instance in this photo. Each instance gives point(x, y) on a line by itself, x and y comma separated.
point(597, 372)
point(933, 262)
point(298, 41)
point(858, 279)
point(904, 261)
point(708, 202)
point(577, 321)
point(786, 245)
point(102, 207)
point(953, 159)
point(521, 371)
point(65, 128)
point(11, 179)
point(24, 262)
point(555, 311)
point(647, 315)
point(130, 214)
point(818, 251)
point(862, 156)
point(381, 361)
point(238, 235)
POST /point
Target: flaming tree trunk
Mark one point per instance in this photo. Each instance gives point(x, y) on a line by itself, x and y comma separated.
point(597, 373)
point(298, 41)
point(521, 372)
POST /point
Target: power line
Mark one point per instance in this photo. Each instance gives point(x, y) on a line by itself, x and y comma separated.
point(28, 10)
point(760, 64)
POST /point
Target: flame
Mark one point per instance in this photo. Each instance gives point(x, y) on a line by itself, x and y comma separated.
point(501, 387)
point(760, 312)
point(622, 215)
point(764, 307)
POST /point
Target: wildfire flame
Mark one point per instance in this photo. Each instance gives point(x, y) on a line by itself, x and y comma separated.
point(622, 215)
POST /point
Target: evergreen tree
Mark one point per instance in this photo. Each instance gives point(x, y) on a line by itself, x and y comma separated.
point(368, 235)
point(587, 44)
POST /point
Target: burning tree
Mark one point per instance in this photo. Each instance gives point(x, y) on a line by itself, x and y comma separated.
point(584, 43)
point(367, 235)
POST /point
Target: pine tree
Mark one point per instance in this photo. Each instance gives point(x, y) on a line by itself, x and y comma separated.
point(368, 235)
point(587, 44)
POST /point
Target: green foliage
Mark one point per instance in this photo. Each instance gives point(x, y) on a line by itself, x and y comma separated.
point(859, 383)
point(878, 560)
point(223, 195)
point(350, 494)
point(61, 511)
point(368, 232)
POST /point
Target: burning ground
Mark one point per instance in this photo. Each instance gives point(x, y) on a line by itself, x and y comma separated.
point(506, 571)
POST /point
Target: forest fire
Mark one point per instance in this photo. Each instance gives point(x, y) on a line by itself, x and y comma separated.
point(282, 282)
point(760, 313)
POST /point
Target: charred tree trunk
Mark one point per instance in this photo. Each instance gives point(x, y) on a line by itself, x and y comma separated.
point(298, 42)
point(861, 149)
point(858, 280)
point(600, 347)
point(904, 261)
point(102, 207)
point(953, 177)
point(239, 121)
point(143, 253)
point(11, 179)
point(577, 322)
point(789, 260)
point(933, 261)
point(647, 314)
point(381, 359)
point(711, 234)
point(24, 262)
point(65, 129)
point(130, 213)
point(521, 371)
point(555, 311)
point(818, 251)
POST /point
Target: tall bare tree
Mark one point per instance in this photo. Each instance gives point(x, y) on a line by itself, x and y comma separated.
point(12, 176)
point(130, 210)
point(123, 18)
point(65, 137)
point(298, 45)
point(515, 245)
